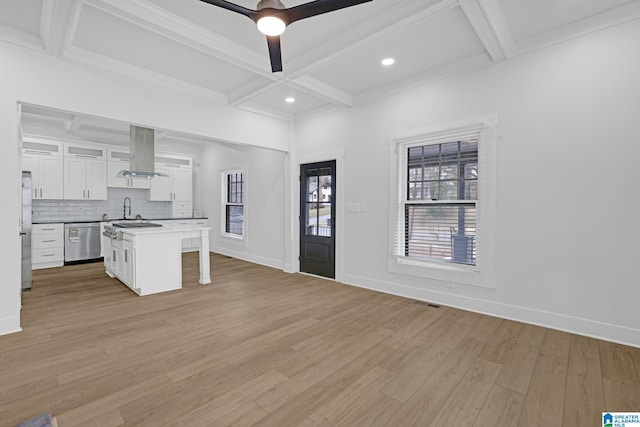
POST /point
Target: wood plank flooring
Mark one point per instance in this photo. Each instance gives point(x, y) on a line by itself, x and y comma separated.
point(262, 347)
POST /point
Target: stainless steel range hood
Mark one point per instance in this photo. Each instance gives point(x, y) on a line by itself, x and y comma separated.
point(142, 154)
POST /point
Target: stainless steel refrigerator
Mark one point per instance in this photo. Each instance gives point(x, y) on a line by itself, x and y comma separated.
point(25, 231)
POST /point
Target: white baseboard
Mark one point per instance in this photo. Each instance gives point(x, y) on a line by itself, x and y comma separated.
point(10, 325)
point(576, 325)
point(256, 259)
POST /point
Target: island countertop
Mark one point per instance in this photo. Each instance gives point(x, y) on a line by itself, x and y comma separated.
point(166, 228)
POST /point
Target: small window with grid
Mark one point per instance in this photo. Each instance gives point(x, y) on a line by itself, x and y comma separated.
point(234, 203)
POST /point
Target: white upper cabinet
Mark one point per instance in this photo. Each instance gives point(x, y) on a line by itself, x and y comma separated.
point(44, 160)
point(85, 172)
point(177, 186)
point(161, 189)
point(182, 180)
point(118, 160)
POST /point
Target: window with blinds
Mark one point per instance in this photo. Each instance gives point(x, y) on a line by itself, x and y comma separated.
point(437, 215)
point(234, 203)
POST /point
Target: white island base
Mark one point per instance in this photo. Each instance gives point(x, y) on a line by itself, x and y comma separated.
point(149, 260)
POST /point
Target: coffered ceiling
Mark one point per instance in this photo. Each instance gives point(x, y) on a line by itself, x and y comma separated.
point(329, 61)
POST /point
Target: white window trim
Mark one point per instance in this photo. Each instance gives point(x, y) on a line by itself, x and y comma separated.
point(483, 273)
point(242, 240)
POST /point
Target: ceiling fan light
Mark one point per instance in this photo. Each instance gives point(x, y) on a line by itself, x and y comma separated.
point(271, 26)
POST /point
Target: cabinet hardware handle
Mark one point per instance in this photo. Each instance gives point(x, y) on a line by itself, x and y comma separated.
point(35, 192)
point(48, 255)
point(83, 194)
point(41, 193)
point(46, 153)
point(84, 156)
point(125, 255)
point(48, 241)
point(88, 196)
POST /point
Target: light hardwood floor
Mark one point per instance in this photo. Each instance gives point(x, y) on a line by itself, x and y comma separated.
point(262, 347)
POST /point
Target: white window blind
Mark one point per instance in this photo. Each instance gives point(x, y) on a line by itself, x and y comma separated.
point(436, 211)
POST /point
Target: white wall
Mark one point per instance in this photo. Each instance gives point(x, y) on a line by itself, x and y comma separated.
point(32, 77)
point(567, 172)
point(264, 204)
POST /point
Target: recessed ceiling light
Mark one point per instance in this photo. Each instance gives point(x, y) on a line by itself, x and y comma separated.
point(388, 61)
point(290, 100)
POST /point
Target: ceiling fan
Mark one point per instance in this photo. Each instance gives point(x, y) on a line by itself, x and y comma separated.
point(272, 18)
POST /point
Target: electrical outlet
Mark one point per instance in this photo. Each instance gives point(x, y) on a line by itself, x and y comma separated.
point(449, 285)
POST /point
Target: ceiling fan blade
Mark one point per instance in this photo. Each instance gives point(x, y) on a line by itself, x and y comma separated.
point(318, 7)
point(274, 53)
point(249, 13)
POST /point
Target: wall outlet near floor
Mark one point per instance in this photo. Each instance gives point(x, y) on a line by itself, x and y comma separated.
point(449, 285)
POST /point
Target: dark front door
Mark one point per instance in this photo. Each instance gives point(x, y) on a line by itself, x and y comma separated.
point(317, 218)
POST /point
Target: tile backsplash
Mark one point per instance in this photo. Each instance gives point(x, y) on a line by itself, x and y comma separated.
point(92, 210)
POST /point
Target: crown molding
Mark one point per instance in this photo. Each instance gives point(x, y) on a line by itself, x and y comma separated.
point(475, 62)
point(119, 67)
point(619, 15)
point(266, 111)
point(21, 38)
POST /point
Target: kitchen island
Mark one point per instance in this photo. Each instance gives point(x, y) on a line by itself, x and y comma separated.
point(149, 260)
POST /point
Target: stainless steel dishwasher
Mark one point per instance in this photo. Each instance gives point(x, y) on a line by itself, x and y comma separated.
point(81, 242)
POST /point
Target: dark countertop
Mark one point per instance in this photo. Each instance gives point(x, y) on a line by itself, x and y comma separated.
point(112, 219)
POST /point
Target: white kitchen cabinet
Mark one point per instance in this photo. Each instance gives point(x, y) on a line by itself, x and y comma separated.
point(177, 186)
point(161, 188)
point(128, 262)
point(85, 179)
point(44, 160)
point(181, 210)
point(118, 160)
point(85, 172)
point(182, 184)
point(47, 246)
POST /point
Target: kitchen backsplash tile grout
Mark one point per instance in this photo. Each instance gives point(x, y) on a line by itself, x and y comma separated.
point(90, 210)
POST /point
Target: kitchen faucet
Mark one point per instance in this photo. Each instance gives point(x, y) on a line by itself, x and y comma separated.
point(124, 213)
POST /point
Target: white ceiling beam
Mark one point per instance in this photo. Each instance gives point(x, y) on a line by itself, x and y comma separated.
point(322, 90)
point(267, 111)
point(251, 89)
point(55, 23)
point(485, 26)
point(498, 23)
